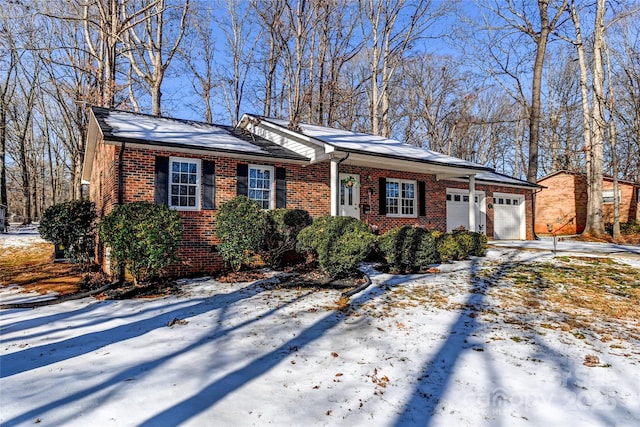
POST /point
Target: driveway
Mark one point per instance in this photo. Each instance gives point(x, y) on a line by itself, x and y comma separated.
point(566, 245)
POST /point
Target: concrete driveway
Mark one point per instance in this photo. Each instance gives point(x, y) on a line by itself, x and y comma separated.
point(566, 245)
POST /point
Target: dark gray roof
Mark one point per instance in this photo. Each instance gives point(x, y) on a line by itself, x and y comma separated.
point(125, 126)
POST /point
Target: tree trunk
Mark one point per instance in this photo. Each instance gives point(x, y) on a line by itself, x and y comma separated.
point(614, 153)
point(595, 222)
point(536, 87)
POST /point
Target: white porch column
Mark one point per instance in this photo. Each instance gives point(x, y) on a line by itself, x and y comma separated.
point(335, 186)
point(472, 204)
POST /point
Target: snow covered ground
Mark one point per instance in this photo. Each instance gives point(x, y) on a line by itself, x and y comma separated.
point(249, 354)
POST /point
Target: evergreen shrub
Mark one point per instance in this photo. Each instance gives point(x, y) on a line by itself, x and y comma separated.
point(340, 243)
point(144, 238)
point(72, 226)
point(240, 227)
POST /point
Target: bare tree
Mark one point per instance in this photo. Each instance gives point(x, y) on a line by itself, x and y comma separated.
point(270, 14)
point(612, 143)
point(198, 51)
point(6, 94)
point(595, 221)
point(388, 39)
point(144, 44)
point(241, 39)
point(538, 26)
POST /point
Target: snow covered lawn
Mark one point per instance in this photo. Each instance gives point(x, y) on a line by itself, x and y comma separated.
point(454, 348)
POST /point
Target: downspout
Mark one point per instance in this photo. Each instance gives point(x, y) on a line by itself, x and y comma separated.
point(335, 184)
point(121, 201)
point(121, 173)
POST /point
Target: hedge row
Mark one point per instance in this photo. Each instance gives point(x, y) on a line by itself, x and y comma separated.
point(412, 249)
point(337, 244)
point(144, 238)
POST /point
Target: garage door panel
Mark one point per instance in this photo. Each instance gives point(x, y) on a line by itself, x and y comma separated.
point(458, 209)
point(508, 217)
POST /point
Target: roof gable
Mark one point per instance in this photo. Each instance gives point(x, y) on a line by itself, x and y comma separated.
point(349, 141)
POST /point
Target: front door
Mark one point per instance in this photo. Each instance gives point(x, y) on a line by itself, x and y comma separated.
point(350, 195)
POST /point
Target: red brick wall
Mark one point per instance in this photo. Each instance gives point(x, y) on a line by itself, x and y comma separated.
point(436, 201)
point(563, 204)
point(307, 188)
point(628, 202)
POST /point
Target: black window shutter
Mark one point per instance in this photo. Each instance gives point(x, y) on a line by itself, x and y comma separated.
point(161, 193)
point(208, 185)
point(422, 201)
point(382, 195)
point(281, 188)
point(243, 173)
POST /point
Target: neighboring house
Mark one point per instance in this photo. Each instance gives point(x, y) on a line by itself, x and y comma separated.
point(561, 207)
point(193, 167)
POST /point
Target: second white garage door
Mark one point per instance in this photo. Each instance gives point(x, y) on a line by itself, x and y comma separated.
point(508, 217)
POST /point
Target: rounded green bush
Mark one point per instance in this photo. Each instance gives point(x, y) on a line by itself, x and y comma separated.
point(479, 244)
point(72, 226)
point(409, 249)
point(144, 237)
point(240, 227)
point(339, 243)
point(448, 247)
point(465, 242)
point(427, 251)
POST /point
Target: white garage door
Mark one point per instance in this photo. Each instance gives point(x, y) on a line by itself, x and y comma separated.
point(508, 217)
point(458, 209)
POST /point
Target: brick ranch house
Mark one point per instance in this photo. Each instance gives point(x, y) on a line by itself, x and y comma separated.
point(194, 167)
point(562, 205)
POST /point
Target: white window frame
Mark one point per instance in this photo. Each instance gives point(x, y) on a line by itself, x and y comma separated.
point(197, 185)
point(400, 183)
point(609, 195)
point(272, 184)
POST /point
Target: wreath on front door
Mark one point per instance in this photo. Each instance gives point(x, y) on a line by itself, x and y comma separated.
point(350, 181)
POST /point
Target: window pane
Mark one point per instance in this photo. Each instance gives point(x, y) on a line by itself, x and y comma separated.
point(449, 197)
point(184, 182)
point(508, 201)
point(259, 186)
point(515, 202)
point(407, 191)
point(465, 199)
point(456, 197)
point(392, 189)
